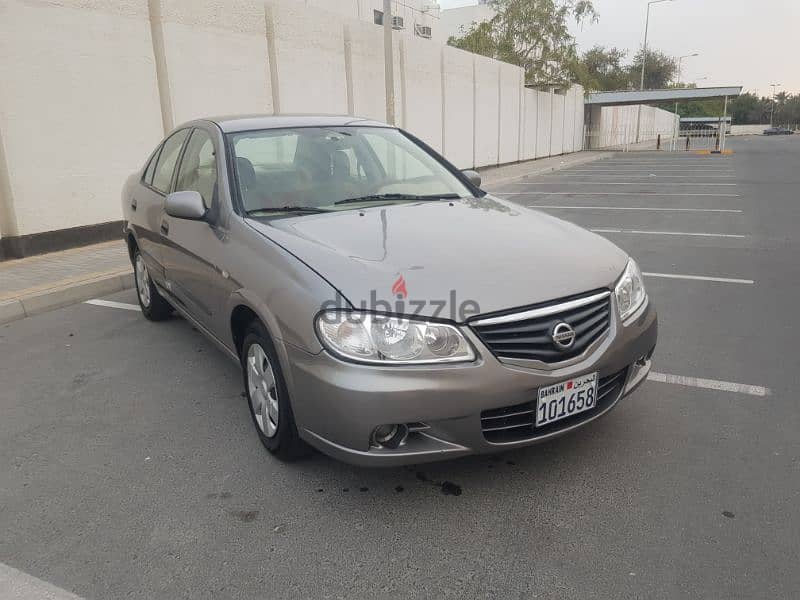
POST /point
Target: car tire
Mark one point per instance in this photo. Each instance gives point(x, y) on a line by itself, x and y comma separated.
point(154, 306)
point(268, 397)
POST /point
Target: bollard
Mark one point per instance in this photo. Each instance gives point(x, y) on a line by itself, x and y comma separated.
point(658, 142)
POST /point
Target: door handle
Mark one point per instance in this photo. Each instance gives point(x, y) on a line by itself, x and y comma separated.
point(133, 203)
point(164, 227)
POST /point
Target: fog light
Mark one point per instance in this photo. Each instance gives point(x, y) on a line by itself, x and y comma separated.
point(389, 436)
point(384, 433)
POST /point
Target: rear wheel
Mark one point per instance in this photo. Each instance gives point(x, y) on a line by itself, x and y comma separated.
point(268, 397)
point(153, 304)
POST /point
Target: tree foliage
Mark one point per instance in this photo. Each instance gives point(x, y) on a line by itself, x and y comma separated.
point(659, 69)
point(533, 34)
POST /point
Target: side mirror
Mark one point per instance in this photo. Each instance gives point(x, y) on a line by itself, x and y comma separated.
point(473, 176)
point(185, 205)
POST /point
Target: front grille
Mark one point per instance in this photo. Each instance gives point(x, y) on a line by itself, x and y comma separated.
point(526, 333)
point(516, 423)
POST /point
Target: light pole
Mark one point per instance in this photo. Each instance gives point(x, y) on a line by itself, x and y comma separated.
point(644, 47)
point(680, 60)
point(772, 112)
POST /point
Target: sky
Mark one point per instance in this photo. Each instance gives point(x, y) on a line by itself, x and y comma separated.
point(752, 43)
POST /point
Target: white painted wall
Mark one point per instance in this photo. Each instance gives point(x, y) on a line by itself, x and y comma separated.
point(423, 91)
point(89, 87)
point(544, 123)
point(459, 106)
point(307, 46)
point(487, 106)
point(366, 54)
point(557, 125)
point(531, 112)
point(512, 79)
point(611, 126)
point(216, 61)
point(748, 129)
point(79, 109)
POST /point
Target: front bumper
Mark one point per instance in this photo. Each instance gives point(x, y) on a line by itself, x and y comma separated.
point(337, 404)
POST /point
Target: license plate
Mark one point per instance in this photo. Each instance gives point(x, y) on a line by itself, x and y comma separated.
point(570, 397)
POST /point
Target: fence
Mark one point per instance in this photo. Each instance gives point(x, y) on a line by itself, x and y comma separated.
point(90, 86)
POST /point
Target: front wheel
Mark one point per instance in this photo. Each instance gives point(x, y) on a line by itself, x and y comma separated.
point(268, 397)
point(154, 306)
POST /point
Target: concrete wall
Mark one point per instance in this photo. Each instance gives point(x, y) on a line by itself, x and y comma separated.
point(211, 61)
point(615, 126)
point(89, 87)
point(748, 129)
point(422, 91)
point(487, 111)
point(459, 106)
point(512, 80)
point(67, 75)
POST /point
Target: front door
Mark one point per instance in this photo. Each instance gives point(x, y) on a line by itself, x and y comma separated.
point(194, 249)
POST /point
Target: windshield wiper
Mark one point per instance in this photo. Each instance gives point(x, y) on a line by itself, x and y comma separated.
point(287, 209)
point(390, 197)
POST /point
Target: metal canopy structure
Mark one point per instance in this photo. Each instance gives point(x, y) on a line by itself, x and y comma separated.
point(625, 97)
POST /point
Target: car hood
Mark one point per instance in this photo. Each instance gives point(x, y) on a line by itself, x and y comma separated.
point(489, 252)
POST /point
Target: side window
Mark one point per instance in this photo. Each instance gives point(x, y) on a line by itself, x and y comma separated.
point(151, 167)
point(167, 160)
point(198, 170)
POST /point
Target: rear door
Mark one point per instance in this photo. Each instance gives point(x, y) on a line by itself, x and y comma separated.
point(147, 204)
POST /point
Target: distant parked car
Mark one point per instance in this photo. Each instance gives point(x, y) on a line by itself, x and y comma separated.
point(778, 131)
point(383, 308)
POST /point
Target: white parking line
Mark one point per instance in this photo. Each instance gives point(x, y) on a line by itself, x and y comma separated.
point(722, 235)
point(648, 176)
point(16, 585)
point(699, 278)
point(710, 384)
point(616, 183)
point(112, 304)
point(646, 208)
point(614, 194)
point(726, 171)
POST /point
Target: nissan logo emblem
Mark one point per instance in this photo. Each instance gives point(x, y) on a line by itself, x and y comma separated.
point(563, 336)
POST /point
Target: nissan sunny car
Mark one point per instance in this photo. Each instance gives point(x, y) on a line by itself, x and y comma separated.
point(383, 308)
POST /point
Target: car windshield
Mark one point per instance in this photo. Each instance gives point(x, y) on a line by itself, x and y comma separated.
point(335, 168)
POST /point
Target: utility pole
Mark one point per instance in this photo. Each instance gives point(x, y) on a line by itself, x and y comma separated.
point(644, 60)
point(772, 111)
point(644, 47)
point(388, 54)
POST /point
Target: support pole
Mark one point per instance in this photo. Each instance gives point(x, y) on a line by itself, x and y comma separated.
point(388, 54)
point(723, 134)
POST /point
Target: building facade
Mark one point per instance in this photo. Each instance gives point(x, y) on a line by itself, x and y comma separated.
point(456, 21)
point(421, 18)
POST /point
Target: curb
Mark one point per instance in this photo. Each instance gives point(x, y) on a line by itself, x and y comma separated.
point(564, 164)
point(74, 293)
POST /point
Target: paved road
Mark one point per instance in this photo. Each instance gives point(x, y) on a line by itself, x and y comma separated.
point(130, 468)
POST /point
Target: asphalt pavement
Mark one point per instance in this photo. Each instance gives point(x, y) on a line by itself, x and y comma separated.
point(130, 468)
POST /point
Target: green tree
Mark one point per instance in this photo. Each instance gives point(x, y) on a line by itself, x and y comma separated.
point(601, 69)
point(533, 34)
point(659, 69)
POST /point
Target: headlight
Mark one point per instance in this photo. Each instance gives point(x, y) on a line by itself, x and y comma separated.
point(369, 338)
point(630, 290)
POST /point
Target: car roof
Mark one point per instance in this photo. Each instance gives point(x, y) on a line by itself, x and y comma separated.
point(234, 123)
